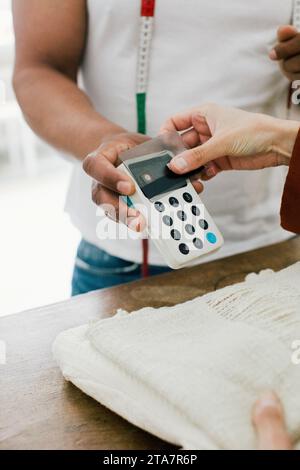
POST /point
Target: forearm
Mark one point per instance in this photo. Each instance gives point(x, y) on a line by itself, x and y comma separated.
point(59, 112)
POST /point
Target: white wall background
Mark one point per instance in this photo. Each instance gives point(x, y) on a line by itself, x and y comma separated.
point(37, 241)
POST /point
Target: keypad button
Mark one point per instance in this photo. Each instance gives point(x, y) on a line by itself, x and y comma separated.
point(190, 229)
point(175, 234)
point(159, 206)
point(195, 211)
point(181, 215)
point(184, 249)
point(203, 224)
point(174, 202)
point(198, 243)
point(167, 220)
point(211, 237)
point(187, 197)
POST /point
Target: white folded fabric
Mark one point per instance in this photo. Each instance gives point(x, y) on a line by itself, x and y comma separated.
point(190, 374)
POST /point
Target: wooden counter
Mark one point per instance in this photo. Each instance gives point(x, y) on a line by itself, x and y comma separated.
point(39, 410)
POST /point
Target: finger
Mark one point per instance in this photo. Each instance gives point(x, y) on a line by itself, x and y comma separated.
point(292, 65)
point(211, 170)
point(268, 419)
point(204, 138)
point(178, 122)
point(292, 76)
point(200, 125)
point(199, 156)
point(191, 138)
point(100, 168)
point(254, 162)
point(185, 120)
point(199, 133)
point(287, 49)
point(116, 209)
point(286, 32)
point(197, 184)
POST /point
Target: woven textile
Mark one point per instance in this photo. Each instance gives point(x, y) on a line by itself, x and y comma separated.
point(190, 374)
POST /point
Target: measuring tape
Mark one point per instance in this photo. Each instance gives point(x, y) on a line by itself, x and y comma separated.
point(143, 62)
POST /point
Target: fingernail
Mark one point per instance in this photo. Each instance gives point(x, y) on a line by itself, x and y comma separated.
point(267, 400)
point(123, 187)
point(199, 187)
point(179, 163)
point(273, 54)
point(211, 172)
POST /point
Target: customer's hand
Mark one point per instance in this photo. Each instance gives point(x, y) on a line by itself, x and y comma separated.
point(231, 139)
point(269, 422)
point(109, 182)
point(287, 51)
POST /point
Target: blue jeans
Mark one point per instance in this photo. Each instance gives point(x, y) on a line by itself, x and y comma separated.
point(96, 269)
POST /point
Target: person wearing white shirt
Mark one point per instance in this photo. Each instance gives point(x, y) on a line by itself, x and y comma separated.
point(75, 79)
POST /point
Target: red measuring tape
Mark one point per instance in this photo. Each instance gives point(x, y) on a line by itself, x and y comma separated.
point(146, 29)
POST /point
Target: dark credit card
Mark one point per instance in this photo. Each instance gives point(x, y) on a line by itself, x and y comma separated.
point(155, 178)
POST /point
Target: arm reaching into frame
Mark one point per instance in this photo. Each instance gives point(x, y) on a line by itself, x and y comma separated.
point(231, 139)
point(223, 139)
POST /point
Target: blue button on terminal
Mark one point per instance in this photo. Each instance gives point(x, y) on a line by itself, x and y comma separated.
point(211, 237)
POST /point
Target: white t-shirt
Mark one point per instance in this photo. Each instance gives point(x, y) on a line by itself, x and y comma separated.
point(202, 50)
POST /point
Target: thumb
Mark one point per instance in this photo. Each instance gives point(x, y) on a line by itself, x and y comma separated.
point(199, 156)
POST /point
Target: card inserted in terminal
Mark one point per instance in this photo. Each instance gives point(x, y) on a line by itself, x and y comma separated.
point(153, 176)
